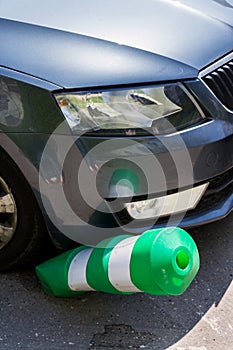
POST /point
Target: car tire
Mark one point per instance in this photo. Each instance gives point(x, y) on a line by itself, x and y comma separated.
point(22, 231)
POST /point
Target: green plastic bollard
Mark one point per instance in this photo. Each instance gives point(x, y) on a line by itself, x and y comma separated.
point(159, 262)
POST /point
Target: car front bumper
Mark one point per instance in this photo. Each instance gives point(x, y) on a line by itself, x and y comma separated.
point(210, 161)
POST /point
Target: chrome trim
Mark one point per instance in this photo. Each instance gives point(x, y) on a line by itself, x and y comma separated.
point(193, 100)
point(215, 65)
point(172, 204)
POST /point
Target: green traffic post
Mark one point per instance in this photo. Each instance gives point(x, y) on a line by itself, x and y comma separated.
point(158, 262)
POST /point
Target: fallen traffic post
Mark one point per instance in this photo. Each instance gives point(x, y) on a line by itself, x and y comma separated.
point(159, 262)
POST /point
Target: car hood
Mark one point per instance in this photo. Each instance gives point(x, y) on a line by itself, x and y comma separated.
point(78, 44)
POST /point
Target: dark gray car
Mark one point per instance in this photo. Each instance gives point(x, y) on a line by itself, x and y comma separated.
point(115, 116)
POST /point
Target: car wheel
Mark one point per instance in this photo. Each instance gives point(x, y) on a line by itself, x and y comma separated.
point(22, 230)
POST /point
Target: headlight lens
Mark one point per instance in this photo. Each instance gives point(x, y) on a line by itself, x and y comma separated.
point(155, 110)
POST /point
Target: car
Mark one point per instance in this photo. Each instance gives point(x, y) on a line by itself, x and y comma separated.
point(115, 117)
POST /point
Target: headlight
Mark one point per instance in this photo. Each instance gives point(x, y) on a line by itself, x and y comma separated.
point(155, 110)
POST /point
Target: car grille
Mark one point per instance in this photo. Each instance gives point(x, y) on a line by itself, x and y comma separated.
point(220, 82)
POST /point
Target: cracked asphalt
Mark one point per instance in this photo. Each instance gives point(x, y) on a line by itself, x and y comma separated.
point(200, 319)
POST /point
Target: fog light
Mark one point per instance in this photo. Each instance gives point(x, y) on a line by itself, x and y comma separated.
point(166, 205)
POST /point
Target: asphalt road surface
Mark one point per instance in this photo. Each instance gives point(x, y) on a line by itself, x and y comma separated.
point(201, 319)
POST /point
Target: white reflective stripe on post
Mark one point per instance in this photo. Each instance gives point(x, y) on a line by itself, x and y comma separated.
point(77, 279)
point(119, 266)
